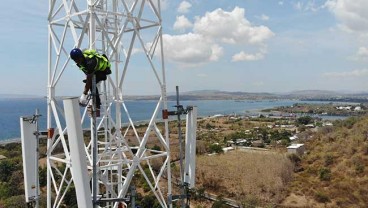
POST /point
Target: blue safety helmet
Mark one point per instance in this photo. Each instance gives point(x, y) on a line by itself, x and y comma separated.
point(76, 53)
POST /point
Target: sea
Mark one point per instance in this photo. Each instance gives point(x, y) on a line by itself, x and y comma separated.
point(11, 109)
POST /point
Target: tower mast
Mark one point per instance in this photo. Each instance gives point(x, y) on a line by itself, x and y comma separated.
point(116, 28)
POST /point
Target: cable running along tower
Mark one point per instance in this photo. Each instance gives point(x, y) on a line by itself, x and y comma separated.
point(129, 32)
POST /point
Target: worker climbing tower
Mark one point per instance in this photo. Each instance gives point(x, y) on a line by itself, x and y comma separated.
point(113, 150)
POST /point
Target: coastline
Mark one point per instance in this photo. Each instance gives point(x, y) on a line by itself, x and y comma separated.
point(142, 111)
point(10, 141)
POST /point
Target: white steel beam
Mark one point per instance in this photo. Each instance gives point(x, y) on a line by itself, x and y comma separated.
point(77, 153)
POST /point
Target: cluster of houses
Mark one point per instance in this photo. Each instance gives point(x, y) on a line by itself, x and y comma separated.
point(349, 108)
point(294, 148)
point(297, 149)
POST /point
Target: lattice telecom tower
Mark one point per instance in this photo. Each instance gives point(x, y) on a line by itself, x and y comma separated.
point(129, 32)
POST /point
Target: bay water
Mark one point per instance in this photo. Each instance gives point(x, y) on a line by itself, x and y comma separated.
point(11, 109)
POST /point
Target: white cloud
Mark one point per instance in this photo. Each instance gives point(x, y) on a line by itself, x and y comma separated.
point(258, 83)
point(138, 50)
point(182, 23)
point(202, 75)
point(191, 49)
point(242, 56)
point(211, 33)
point(361, 54)
point(347, 74)
point(217, 52)
point(184, 7)
point(231, 27)
point(310, 5)
point(353, 15)
point(298, 5)
point(265, 17)
point(281, 3)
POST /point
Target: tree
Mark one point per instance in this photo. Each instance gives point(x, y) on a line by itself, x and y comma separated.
point(16, 183)
point(70, 199)
point(156, 148)
point(6, 169)
point(304, 120)
point(42, 171)
point(216, 148)
point(238, 135)
point(150, 201)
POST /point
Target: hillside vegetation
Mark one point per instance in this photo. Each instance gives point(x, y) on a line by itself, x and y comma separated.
point(253, 178)
point(334, 171)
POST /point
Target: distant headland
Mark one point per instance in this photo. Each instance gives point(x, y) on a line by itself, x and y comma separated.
point(317, 95)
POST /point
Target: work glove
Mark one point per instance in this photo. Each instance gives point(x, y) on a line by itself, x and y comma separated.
point(83, 100)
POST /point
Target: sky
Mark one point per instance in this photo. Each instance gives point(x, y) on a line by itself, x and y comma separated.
point(230, 45)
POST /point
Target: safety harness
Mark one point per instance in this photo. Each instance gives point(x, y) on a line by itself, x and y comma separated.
point(102, 61)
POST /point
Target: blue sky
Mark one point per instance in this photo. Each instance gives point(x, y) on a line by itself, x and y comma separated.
point(237, 45)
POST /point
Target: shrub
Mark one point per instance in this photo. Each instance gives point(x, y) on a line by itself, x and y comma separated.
point(156, 147)
point(146, 187)
point(42, 171)
point(329, 160)
point(238, 135)
point(324, 174)
point(150, 201)
point(70, 198)
point(4, 190)
point(15, 202)
point(365, 150)
point(358, 163)
point(199, 194)
point(321, 197)
point(16, 183)
point(13, 147)
point(220, 203)
point(304, 120)
point(216, 148)
point(285, 142)
point(359, 168)
point(209, 126)
point(294, 158)
point(6, 169)
point(250, 201)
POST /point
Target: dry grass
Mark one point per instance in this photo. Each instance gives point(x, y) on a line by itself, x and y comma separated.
point(239, 175)
point(335, 172)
